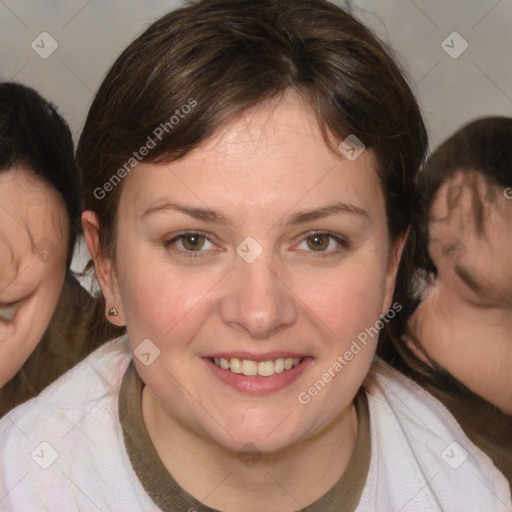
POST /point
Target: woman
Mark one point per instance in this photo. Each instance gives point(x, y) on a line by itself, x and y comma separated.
point(48, 322)
point(458, 338)
point(248, 171)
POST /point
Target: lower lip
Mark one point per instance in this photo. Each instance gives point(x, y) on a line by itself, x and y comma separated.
point(258, 385)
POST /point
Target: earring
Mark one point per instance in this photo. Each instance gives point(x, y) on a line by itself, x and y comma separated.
point(112, 312)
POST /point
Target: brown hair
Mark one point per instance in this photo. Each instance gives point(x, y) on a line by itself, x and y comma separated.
point(33, 134)
point(482, 147)
point(225, 56)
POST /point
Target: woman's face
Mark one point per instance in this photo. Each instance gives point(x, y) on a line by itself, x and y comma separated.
point(33, 250)
point(249, 279)
point(464, 321)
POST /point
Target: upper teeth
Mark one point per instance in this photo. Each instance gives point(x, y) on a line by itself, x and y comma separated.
point(262, 368)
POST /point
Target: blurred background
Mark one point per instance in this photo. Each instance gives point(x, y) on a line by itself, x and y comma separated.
point(456, 52)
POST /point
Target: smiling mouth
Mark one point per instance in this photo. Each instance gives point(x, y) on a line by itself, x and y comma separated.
point(259, 368)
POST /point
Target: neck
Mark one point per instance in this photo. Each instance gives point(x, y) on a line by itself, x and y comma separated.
point(284, 481)
point(472, 341)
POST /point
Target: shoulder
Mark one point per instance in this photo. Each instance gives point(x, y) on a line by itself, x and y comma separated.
point(65, 400)
point(65, 446)
point(86, 381)
point(421, 453)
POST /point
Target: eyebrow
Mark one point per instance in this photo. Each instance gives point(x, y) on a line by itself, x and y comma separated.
point(301, 217)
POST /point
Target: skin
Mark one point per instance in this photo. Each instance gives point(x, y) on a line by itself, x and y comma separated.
point(258, 171)
point(30, 212)
point(465, 320)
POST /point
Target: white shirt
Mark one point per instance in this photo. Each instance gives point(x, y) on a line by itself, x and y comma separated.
point(63, 451)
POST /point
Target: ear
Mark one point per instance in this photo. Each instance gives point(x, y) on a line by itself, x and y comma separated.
point(395, 255)
point(105, 269)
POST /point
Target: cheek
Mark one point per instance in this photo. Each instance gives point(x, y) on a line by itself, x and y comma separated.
point(161, 299)
point(19, 340)
point(157, 296)
point(22, 337)
point(346, 300)
point(45, 301)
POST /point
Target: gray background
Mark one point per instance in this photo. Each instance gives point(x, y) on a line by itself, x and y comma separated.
point(91, 34)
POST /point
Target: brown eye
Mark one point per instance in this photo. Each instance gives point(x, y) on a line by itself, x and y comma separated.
point(324, 243)
point(193, 242)
point(318, 242)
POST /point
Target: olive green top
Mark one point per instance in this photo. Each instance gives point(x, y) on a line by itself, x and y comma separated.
point(169, 496)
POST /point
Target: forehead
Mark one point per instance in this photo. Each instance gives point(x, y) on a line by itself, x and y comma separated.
point(32, 214)
point(273, 155)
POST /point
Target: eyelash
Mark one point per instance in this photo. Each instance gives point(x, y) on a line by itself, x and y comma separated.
point(342, 241)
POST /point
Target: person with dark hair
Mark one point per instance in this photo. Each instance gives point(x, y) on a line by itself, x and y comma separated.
point(249, 178)
point(458, 339)
point(43, 308)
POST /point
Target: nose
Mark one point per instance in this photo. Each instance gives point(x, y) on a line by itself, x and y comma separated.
point(257, 300)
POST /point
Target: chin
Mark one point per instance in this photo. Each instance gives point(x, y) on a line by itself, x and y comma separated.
point(247, 444)
point(271, 434)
